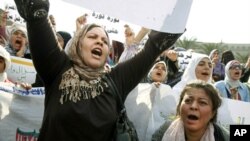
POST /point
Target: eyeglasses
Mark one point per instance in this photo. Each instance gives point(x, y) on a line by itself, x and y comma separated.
point(236, 67)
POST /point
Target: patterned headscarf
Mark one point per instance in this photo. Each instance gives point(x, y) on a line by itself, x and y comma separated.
point(74, 53)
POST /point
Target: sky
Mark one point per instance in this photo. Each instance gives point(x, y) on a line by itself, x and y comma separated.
point(226, 21)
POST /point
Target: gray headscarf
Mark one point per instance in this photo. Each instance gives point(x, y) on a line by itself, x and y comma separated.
point(232, 83)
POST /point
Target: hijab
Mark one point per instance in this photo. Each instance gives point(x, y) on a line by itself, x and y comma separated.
point(81, 76)
point(7, 61)
point(150, 72)
point(74, 53)
point(228, 79)
point(189, 73)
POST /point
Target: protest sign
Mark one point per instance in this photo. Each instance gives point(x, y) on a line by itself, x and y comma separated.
point(21, 70)
point(162, 15)
point(233, 112)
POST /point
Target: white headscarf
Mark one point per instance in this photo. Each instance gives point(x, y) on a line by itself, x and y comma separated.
point(211, 55)
point(149, 74)
point(6, 56)
point(189, 73)
point(16, 27)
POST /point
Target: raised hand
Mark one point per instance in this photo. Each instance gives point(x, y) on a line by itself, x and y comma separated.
point(80, 21)
point(163, 40)
point(31, 10)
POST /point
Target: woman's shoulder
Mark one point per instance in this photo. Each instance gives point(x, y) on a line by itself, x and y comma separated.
point(220, 83)
point(158, 134)
point(220, 133)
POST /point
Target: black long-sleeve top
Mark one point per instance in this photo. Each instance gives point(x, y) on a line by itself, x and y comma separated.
point(88, 119)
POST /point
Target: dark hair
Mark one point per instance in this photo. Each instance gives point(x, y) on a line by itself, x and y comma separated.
point(211, 92)
point(65, 36)
point(118, 48)
point(227, 56)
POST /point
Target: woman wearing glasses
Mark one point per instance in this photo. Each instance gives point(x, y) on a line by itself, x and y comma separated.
point(231, 86)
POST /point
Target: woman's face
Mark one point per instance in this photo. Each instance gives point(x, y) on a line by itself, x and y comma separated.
point(196, 110)
point(18, 40)
point(2, 64)
point(235, 71)
point(216, 56)
point(94, 48)
point(203, 70)
point(159, 73)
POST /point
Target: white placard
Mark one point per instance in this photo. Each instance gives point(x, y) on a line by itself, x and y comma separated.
point(162, 15)
point(21, 70)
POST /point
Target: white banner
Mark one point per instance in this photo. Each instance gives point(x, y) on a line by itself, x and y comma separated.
point(21, 70)
point(162, 15)
point(21, 113)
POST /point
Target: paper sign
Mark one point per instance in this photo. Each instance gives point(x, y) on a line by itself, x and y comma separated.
point(162, 15)
point(21, 70)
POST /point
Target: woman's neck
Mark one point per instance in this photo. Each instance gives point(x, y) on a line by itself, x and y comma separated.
point(194, 135)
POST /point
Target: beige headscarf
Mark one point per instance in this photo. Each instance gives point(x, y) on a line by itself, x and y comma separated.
point(74, 53)
point(81, 76)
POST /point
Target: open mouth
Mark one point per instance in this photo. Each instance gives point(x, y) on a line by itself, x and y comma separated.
point(97, 52)
point(18, 42)
point(193, 117)
point(205, 73)
point(237, 73)
point(158, 74)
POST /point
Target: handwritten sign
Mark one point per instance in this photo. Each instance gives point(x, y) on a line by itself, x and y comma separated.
point(233, 112)
point(21, 70)
point(167, 15)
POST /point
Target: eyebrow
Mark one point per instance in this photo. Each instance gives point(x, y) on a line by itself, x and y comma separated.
point(191, 95)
